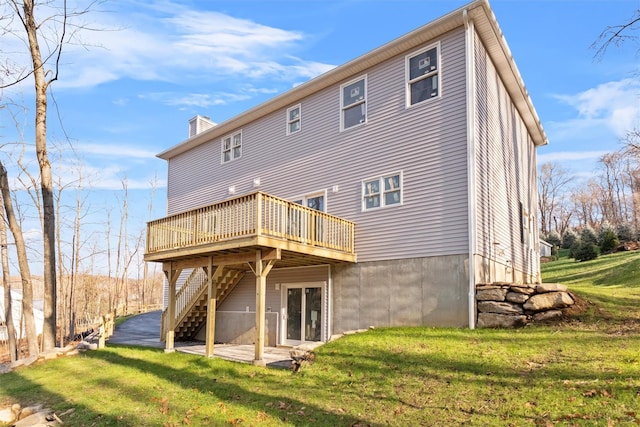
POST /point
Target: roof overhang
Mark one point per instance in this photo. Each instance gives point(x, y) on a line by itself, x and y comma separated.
point(486, 26)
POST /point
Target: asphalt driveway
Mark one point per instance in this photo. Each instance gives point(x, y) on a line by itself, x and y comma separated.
point(143, 329)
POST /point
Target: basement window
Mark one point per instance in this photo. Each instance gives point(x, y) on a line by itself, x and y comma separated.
point(382, 191)
point(423, 75)
point(231, 147)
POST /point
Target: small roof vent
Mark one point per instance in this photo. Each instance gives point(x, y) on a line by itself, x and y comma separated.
point(199, 124)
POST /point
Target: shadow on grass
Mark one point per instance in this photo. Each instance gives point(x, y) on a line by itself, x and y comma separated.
point(504, 357)
point(217, 380)
point(17, 388)
point(607, 270)
point(608, 310)
point(466, 363)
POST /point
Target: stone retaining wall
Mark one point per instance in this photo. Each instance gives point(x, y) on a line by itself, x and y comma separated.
point(510, 305)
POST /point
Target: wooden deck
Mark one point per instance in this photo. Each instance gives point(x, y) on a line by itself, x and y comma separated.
point(244, 224)
point(224, 241)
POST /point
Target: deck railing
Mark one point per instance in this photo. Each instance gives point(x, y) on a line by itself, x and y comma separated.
point(256, 214)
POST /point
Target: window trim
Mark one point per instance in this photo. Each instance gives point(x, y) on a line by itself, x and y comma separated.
point(407, 74)
point(289, 121)
point(231, 137)
point(360, 102)
point(381, 193)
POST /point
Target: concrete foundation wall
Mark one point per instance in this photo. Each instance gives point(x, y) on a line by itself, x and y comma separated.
point(239, 327)
point(430, 291)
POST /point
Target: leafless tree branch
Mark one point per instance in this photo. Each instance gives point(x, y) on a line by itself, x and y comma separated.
point(615, 35)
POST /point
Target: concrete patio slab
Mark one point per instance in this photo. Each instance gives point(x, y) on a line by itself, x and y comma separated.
point(144, 330)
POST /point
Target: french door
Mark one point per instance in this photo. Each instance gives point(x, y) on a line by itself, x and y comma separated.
point(303, 313)
point(300, 226)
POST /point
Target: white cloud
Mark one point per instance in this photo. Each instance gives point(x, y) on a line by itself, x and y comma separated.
point(174, 43)
point(204, 100)
point(613, 105)
point(32, 234)
point(201, 100)
point(105, 176)
point(113, 150)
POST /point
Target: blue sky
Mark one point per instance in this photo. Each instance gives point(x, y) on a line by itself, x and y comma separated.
point(126, 92)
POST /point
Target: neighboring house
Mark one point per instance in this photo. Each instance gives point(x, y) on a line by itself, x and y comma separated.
point(545, 248)
point(377, 194)
point(16, 314)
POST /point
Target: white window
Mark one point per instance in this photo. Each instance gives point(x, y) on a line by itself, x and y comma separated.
point(293, 119)
point(314, 200)
point(382, 191)
point(353, 102)
point(423, 75)
point(526, 226)
point(231, 147)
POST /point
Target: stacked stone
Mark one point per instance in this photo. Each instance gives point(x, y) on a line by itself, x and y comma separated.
point(510, 305)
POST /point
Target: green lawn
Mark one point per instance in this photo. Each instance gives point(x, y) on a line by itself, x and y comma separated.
point(584, 371)
point(612, 282)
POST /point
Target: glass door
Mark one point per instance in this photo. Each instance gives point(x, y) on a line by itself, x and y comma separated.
point(294, 311)
point(300, 225)
point(315, 227)
point(303, 314)
point(312, 314)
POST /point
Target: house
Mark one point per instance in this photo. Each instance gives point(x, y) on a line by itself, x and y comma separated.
point(545, 248)
point(16, 314)
point(377, 194)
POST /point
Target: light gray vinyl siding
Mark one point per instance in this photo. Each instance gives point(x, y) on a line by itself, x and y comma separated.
point(426, 142)
point(505, 165)
point(182, 278)
point(244, 294)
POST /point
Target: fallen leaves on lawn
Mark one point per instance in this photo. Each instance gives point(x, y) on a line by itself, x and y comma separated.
point(593, 393)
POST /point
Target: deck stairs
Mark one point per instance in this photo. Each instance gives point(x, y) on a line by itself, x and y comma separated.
point(192, 301)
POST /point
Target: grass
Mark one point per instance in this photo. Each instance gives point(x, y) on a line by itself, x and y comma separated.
point(611, 282)
point(583, 372)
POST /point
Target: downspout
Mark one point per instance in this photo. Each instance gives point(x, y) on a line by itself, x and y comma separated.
point(471, 161)
point(329, 303)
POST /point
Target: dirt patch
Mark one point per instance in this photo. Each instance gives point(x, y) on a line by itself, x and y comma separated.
point(583, 307)
point(580, 306)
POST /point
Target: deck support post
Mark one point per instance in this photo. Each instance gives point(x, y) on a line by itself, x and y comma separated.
point(212, 300)
point(261, 271)
point(172, 277)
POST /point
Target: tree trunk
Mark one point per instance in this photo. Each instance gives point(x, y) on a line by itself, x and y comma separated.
point(23, 264)
point(8, 308)
point(46, 181)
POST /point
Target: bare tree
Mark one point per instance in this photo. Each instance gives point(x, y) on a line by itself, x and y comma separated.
point(23, 263)
point(617, 179)
point(616, 35)
point(111, 291)
point(552, 191)
point(8, 308)
point(44, 40)
point(145, 276)
point(586, 204)
point(632, 141)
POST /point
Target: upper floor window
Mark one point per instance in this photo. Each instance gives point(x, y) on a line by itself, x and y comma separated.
point(382, 191)
point(231, 147)
point(353, 103)
point(293, 119)
point(423, 75)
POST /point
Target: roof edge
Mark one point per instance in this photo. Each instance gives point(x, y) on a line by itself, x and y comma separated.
point(478, 9)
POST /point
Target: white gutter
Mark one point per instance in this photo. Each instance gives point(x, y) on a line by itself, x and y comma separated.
point(471, 162)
